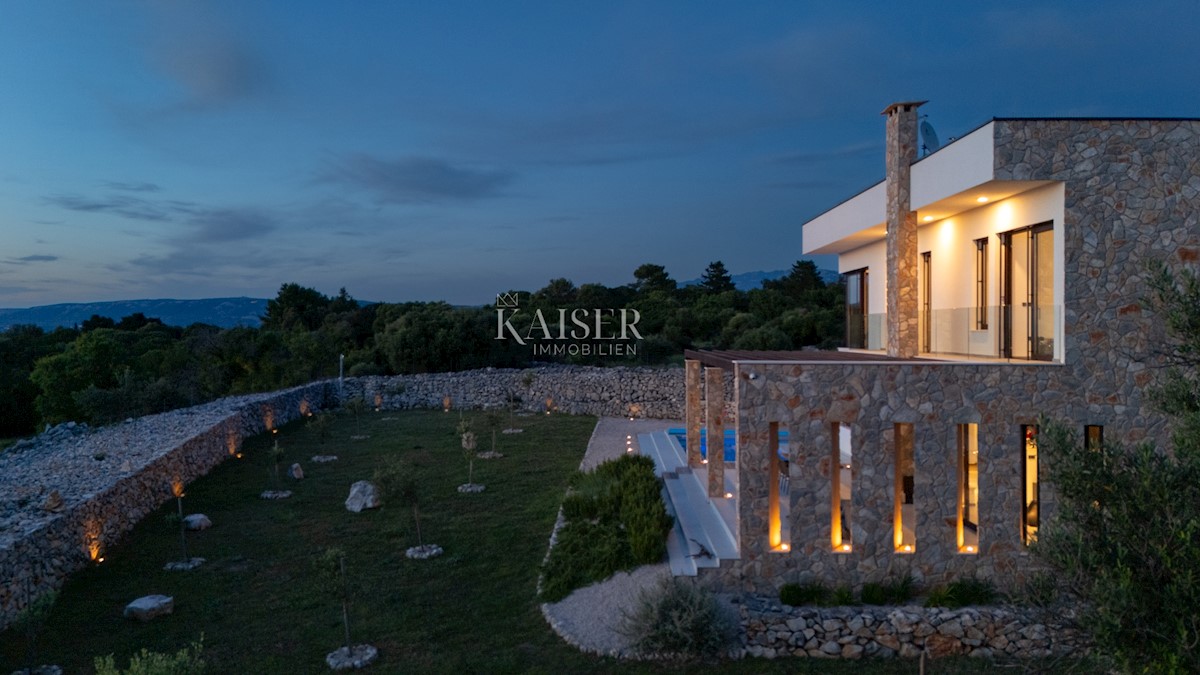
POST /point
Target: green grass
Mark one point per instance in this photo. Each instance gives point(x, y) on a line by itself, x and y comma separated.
point(257, 601)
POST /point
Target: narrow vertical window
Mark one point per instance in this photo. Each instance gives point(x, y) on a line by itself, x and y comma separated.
point(841, 463)
point(981, 303)
point(905, 515)
point(968, 488)
point(927, 301)
point(1029, 512)
point(777, 467)
point(1093, 437)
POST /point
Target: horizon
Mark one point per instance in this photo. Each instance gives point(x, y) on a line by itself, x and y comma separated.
point(197, 150)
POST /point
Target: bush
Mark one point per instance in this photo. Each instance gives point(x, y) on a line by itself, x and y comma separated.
point(962, 593)
point(680, 619)
point(803, 594)
point(184, 662)
point(586, 552)
point(894, 593)
point(616, 519)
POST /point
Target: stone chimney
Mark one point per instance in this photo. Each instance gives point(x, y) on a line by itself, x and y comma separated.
point(902, 309)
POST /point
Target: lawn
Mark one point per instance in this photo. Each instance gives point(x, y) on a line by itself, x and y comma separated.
point(259, 606)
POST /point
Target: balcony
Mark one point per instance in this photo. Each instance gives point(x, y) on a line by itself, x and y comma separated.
point(995, 333)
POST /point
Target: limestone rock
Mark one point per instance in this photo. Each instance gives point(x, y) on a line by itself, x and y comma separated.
point(54, 502)
point(359, 656)
point(150, 606)
point(296, 472)
point(363, 495)
point(197, 521)
point(184, 565)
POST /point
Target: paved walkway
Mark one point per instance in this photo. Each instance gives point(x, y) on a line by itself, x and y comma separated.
point(590, 617)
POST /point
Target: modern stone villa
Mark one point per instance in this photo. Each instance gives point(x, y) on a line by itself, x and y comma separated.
point(988, 283)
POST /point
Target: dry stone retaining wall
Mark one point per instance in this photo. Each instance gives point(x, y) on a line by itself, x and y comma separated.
point(111, 479)
point(578, 390)
point(855, 632)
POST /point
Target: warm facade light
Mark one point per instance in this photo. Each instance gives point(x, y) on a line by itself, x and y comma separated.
point(445, 404)
point(981, 200)
point(846, 548)
point(784, 547)
point(728, 495)
point(928, 219)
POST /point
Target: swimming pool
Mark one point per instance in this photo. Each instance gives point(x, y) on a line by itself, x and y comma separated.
point(730, 443)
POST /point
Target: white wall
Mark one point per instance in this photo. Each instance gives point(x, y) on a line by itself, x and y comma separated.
point(952, 243)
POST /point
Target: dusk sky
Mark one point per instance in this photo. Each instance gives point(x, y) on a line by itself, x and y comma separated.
point(451, 150)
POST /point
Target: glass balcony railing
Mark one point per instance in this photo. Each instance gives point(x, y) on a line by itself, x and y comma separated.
point(994, 332)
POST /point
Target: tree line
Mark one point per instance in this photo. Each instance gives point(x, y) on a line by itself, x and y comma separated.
point(104, 370)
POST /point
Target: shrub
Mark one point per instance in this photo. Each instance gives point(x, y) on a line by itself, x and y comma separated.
point(184, 662)
point(616, 519)
point(679, 618)
point(804, 594)
point(894, 593)
point(586, 552)
point(843, 596)
point(962, 593)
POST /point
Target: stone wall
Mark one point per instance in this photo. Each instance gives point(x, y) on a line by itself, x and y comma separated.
point(110, 479)
point(577, 390)
point(771, 630)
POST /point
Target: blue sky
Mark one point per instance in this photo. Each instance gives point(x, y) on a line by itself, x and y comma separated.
point(450, 150)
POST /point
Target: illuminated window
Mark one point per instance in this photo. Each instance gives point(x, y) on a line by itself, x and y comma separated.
point(1093, 437)
point(841, 460)
point(774, 521)
point(905, 515)
point(1029, 512)
point(968, 488)
point(981, 301)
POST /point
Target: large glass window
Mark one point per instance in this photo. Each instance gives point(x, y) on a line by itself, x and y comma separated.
point(1027, 306)
point(856, 309)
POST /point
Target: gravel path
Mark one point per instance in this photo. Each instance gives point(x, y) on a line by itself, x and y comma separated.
point(590, 617)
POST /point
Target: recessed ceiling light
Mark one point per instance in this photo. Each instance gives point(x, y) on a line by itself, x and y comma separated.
point(981, 199)
point(928, 219)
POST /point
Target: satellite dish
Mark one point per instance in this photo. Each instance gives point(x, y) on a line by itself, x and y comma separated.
point(929, 137)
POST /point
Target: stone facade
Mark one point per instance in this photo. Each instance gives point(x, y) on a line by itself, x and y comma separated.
point(102, 500)
point(1132, 195)
point(901, 152)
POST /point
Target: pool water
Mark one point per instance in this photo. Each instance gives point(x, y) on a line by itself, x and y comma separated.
point(730, 443)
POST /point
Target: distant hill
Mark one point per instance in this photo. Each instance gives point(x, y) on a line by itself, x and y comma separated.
point(223, 312)
point(751, 280)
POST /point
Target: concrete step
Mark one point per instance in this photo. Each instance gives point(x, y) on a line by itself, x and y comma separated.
point(699, 517)
point(667, 455)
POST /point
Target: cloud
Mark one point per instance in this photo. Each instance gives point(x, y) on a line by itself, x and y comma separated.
point(412, 180)
point(123, 205)
point(34, 258)
point(131, 187)
point(218, 226)
point(211, 70)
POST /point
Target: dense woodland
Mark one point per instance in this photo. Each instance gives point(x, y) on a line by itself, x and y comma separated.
point(105, 370)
